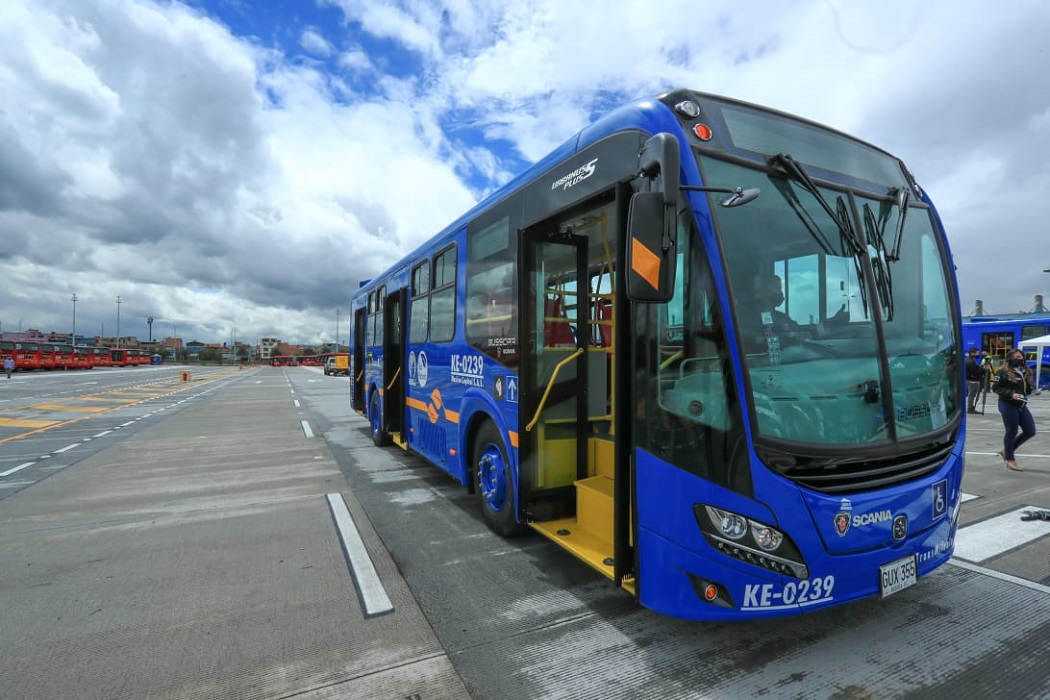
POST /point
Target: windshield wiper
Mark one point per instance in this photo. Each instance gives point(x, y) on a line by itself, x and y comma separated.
point(880, 261)
point(794, 169)
point(903, 198)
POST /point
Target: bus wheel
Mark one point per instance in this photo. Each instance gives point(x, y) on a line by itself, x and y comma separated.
point(494, 483)
point(379, 436)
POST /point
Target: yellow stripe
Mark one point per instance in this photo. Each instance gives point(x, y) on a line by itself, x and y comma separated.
point(513, 435)
point(75, 409)
point(19, 423)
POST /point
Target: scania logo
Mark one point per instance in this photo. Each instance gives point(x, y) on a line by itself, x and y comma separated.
point(842, 523)
point(900, 528)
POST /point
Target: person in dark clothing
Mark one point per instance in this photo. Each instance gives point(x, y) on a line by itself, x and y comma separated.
point(1013, 383)
point(974, 377)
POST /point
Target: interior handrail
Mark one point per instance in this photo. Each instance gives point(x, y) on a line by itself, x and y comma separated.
point(547, 391)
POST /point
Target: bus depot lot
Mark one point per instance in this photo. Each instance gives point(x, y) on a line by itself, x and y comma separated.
point(199, 558)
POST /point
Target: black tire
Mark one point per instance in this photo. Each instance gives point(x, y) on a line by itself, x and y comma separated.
point(494, 483)
point(380, 438)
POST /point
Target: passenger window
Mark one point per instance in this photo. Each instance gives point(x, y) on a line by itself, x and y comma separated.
point(443, 298)
point(491, 317)
point(420, 321)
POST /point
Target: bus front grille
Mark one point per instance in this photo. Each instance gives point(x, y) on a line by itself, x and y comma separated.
point(829, 475)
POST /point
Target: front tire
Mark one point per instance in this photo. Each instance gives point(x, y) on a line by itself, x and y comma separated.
point(494, 482)
point(380, 438)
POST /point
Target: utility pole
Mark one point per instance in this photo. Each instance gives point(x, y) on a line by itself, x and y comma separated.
point(74, 319)
point(118, 320)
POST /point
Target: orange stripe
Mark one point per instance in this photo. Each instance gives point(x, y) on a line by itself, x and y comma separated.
point(416, 404)
point(646, 263)
point(513, 435)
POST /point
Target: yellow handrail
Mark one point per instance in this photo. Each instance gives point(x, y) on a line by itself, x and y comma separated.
point(547, 391)
point(393, 379)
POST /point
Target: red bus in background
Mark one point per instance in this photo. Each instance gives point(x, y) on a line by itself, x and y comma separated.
point(64, 356)
point(283, 361)
point(47, 356)
point(9, 348)
point(118, 357)
point(31, 354)
point(83, 357)
point(101, 357)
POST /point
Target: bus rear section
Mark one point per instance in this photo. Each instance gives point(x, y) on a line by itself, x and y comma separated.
point(597, 354)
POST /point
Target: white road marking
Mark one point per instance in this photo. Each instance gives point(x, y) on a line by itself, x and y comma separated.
point(373, 596)
point(19, 468)
point(988, 538)
point(306, 428)
point(66, 448)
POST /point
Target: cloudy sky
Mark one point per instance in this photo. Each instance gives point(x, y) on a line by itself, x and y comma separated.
point(233, 168)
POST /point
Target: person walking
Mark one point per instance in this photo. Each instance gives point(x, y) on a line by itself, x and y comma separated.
point(974, 374)
point(1013, 383)
point(9, 366)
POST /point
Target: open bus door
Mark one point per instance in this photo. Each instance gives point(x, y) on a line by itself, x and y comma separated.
point(394, 318)
point(553, 380)
point(357, 371)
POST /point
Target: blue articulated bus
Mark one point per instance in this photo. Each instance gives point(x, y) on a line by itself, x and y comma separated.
point(711, 349)
point(995, 336)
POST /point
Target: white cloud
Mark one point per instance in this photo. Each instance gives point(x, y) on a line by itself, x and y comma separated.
point(146, 151)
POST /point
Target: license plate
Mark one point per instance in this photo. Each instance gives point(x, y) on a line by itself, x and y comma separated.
point(897, 575)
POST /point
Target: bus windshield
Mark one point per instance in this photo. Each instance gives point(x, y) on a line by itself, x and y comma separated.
point(812, 274)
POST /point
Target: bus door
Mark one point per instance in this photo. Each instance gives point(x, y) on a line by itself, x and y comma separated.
point(394, 317)
point(357, 371)
point(553, 371)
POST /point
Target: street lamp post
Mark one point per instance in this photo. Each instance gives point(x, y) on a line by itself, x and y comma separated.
point(118, 320)
point(149, 322)
point(74, 319)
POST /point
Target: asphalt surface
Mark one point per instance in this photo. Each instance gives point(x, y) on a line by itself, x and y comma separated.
point(171, 539)
point(198, 558)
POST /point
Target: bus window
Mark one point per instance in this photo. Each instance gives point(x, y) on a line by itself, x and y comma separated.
point(370, 327)
point(687, 375)
point(377, 317)
point(490, 308)
point(443, 298)
point(420, 303)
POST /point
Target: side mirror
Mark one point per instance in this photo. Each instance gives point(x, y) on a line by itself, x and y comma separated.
point(652, 228)
point(650, 266)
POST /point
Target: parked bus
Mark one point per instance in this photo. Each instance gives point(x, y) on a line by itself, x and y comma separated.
point(26, 355)
point(101, 357)
point(587, 352)
point(49, 356)
point(283, 361)
point(996, 336)
point(29, 356)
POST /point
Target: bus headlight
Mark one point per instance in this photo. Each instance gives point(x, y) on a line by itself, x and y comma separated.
point(729, 524)
point(750, 541)
point(767, 538)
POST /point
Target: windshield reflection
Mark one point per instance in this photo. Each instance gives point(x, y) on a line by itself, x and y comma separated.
point(803, 298)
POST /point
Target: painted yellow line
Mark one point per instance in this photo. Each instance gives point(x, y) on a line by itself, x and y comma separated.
point(25, 423)
point(66, 407)
point(103, 399)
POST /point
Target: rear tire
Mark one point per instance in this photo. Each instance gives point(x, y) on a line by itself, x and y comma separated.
point(494, 482)
point(379, 436)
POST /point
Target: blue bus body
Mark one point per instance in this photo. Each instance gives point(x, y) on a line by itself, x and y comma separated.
point(586, 352)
